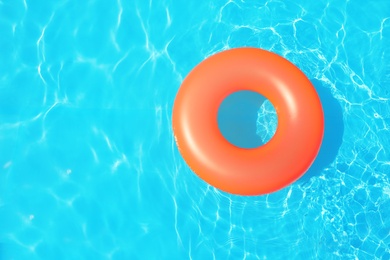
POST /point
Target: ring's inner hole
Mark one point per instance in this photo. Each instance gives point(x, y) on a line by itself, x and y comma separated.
point(247, 119)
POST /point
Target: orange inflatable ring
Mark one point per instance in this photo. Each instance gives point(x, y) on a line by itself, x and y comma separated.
point(265, 169)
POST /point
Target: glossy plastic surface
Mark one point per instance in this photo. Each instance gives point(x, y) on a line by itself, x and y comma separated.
point(256, 171)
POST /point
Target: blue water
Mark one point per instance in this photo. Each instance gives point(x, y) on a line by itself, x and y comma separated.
point(88, 164)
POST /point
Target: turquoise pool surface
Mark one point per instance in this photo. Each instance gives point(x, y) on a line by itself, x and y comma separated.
point(88, 164)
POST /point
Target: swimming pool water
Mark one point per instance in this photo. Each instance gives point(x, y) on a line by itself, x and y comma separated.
point(88, 164)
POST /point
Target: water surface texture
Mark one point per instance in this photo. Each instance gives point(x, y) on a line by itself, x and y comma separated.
point(88, 164)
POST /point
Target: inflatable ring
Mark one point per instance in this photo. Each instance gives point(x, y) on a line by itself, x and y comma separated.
point(265, 169)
